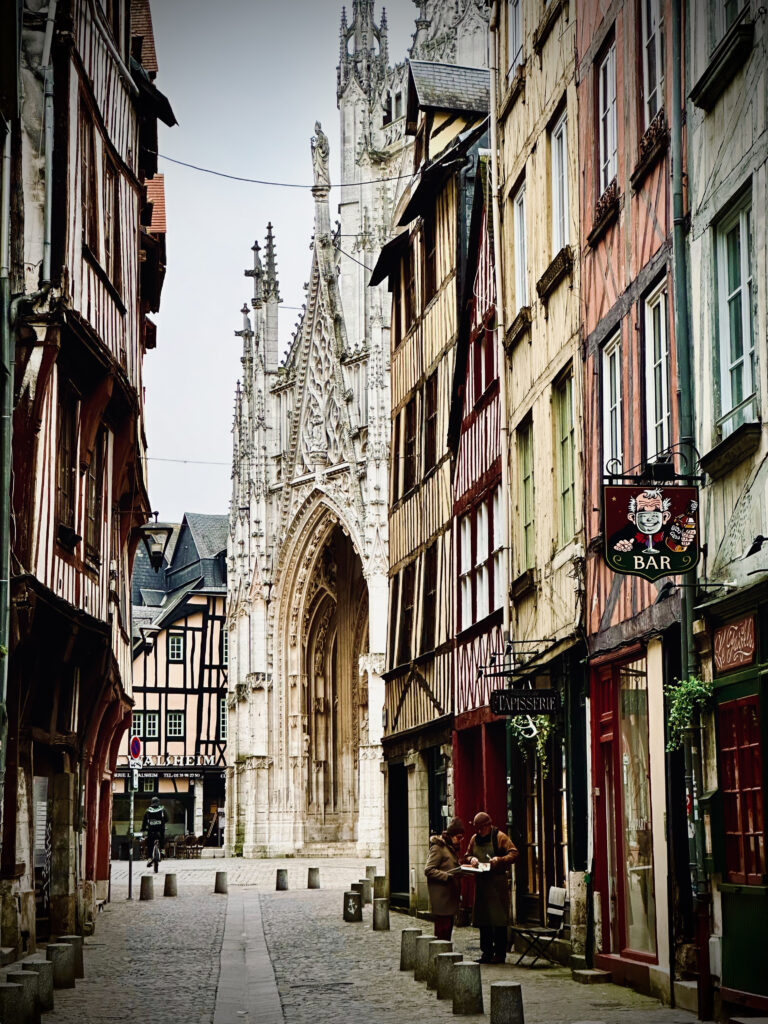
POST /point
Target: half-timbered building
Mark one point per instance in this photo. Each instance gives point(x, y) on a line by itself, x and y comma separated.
point(447, 111)
point(726, 145)
point(81, 154)
point(538, 200)
point(180, 655)
point(625, 60)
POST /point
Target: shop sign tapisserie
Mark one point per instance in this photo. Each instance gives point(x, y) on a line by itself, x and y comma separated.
point(524, 702)
point(651, 531)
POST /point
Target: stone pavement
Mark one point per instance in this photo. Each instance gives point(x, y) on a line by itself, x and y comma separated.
point(288, 958)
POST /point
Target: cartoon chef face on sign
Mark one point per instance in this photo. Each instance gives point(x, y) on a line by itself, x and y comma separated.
point(649, 511)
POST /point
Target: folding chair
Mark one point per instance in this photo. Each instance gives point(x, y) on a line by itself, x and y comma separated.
point(540, 937)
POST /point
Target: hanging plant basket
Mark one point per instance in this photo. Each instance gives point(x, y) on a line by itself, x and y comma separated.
point(526, 744)
point(685, 698)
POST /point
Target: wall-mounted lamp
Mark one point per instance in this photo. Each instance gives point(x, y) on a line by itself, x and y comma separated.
point(156, 537)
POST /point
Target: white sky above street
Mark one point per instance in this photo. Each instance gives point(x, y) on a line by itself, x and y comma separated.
point(247, 79)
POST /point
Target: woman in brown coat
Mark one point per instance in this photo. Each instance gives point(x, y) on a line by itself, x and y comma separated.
point(490, 913)
point(443, 872)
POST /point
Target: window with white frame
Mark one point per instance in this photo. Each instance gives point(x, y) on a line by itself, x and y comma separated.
point(559, 150)
point(521, 279)
point(497, 551)
point(738, 382)
point(137, 724)
point(151, 725)
point(606, 106)
point(224, 646)
point(174, 724)
point(514, 36)
point(565, 435)
point(465, 570)
point(653, 58)
point(223, 718)
point(175, 647)
point(658, 410)
point(482, 568)
point(613, 449)
point(148, 784)
point(525, 469)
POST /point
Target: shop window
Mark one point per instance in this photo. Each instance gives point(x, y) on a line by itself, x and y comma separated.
point(741, 783)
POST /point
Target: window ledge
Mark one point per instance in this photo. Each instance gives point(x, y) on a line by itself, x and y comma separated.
point(653, 145)
point(517, 330)
point(515, 91)
point(725, 63)
point(560, 267)
point(726, 455)
point(523, 585)
point(547, 23)
point(606, 212)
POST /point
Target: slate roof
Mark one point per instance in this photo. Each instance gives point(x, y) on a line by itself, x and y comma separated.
point(209, 533)
point(450, 87)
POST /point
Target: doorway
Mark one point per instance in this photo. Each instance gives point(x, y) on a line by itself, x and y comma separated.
point(397, 806)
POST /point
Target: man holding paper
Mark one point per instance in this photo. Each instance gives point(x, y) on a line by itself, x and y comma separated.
point(490, 853)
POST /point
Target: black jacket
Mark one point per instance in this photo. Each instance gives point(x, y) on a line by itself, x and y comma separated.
point(154, 819)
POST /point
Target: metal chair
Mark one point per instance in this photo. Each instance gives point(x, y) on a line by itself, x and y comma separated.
point(539, 938)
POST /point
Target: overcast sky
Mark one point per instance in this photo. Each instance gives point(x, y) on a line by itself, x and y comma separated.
point(247, 79)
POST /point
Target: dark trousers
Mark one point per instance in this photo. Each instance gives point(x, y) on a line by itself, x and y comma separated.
point(493, 941)
point(443, 926)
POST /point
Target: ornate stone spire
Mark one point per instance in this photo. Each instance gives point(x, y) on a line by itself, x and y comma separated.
point(271, 284)
point(258, 278)
point(363, 48)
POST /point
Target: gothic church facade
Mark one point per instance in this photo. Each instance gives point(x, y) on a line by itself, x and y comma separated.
point(307, 553)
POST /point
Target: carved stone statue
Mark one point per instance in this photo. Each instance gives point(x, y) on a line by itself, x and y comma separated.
point(320, 153)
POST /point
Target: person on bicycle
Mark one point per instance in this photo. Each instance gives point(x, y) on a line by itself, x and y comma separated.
point(153, 824)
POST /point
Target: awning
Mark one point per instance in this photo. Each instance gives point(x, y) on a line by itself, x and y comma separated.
point(388, 258)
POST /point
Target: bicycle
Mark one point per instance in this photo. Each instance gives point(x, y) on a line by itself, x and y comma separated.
point(154, 860)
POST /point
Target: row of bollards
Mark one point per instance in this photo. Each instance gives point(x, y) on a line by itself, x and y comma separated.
point(434, 962)
point(28, 988)
point(170, 887)
point(371, 889)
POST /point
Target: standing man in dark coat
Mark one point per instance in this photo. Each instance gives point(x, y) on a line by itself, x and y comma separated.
point(491, 911)
point(443, 873)
point(153, 824)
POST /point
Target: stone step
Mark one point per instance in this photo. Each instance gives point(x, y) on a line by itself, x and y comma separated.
point(591, 976)
point(7, 955)
point(687, 995)
point(578, 962)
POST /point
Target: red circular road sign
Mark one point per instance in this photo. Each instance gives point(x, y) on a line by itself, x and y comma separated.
point(135, 747)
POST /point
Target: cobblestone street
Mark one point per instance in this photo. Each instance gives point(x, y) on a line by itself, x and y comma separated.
point(202, 958)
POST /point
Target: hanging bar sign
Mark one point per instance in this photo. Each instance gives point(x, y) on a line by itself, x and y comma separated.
point(651, 531)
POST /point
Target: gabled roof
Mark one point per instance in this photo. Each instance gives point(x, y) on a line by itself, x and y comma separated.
point(208, 532)
point(434, 86)
point(141, 28)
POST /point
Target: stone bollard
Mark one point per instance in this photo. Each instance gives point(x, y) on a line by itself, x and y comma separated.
point(170, 887)
point(421, 959)
point(220, 883)
point(281, 880)
point(467, 989)
point(77, 942)
point(380, 887)
point(435, 948)
point(444, 974)
point(11, 1004)
point(370, 872)
point(62, 957)
point(507, 1002)
point(353, 906)
point(313, 878)
point(29, 998)
point(408, 938)
point(357, 887)
point(367, 891)
point(381, 915)
point(147, 891)
point(44, 971)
